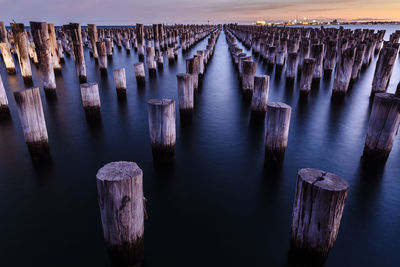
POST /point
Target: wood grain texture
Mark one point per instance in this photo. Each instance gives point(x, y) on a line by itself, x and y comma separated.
point(384, 68)
point(7, 58)
point(185, 92)
point(343, 72)
point(120, 80)
point(306, 76)
point(249, 69)
point(4, 109)
point(260, 95)
point(21, 44)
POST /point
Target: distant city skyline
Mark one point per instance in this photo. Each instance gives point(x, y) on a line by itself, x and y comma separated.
point(123, 12)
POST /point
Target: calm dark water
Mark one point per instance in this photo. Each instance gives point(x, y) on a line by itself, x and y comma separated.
point(218, 206)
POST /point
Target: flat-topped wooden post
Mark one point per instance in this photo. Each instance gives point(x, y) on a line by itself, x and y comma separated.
point(60, 51)
point(140, 40)
point(185, 94)
point(358, 59)
point(330, 56)
point(140, 73)
point(40, 36)
point(30, 112)
point(92, 32)
point(150, 60)
point(4, 109)
point(5, 49)
point(102, 56)
point(120, 81)
point(306, 76)
point(77, 45)
point(277, 123)
point(291, 66)
point(317, 211)
point(343, 73)
point(121, 202)
point(162, 126)
point(317, 52)
point(21, 44)
point(109, 47)
point(193, 68)
point(53, 48)
point(260, 95)
point(382, 127)
point(200, 54)
point(249, 69)
point(90, 99)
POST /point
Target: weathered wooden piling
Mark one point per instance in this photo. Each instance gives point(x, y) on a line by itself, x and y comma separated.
point(77, 45)
point(30, 112)
point(90, 99)
point(358, 59)
point(162, 126)
point(92, 32)
point(40, 36)
point(260, 96)
point(150, 60)
point(382, 127)
point(291, 66)
point(120, 81)
point(343, 73)
point(271, 55)
point(102, 56)
point(140, 41)
point(140, 73)
point(317, 212)
point(201, 55)
point(60, 51)
point(193, 68)
point(4, 110)
point(277, 123)
point(317, 52)
point(185, 94)
point(53, 48)
point(5, 49)
point(109, 47)
point(122, 209)
point(159, 59)
point(248, 72)
point(330, 57)
point(304, 51)
point(21, 44)
point(306, 76)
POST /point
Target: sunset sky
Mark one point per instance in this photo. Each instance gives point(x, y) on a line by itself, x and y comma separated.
point(117, 12)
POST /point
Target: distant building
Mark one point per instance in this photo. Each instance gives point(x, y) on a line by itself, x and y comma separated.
point(260, 22)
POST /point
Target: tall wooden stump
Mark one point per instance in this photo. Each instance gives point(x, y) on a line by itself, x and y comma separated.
point(304, 51)
point(185, 94)
point(120, 81)
point(317, 52)
point(150, 60)
point(7, 58)
point(162, 127)
point(21, 44)
point(382, 127)
point(4, 110)
point(140, 73)
point(90, 99)
point(121, 203)
point(260, 96)
point(193, 68)
point(384, 68)
point(53, 48)
point(201, 55)
point(170, 55)
point(249, 69)
point(306, 76)
point(109, 47)
point(32, 119)
point(92, 31)
point(291, 66)
point(77, 45)
point(358, 59)
point(102, 56)
point(317, 211)
point(42, 43)
point(277, 123)
point(330, 57)
point(140, 41)
point(343, 73)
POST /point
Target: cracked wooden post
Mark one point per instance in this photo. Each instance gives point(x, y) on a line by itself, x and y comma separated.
point(60, 51)
point(150, 60)
point(306, 76)
point(4, 109)
point(358, 59)
point(382, 127)
point(5, 50)
point(384, 68)
point(92, 31)
point(162, 127)
point(102, 56)
point(40, 36)
point(317, 52)
point(156, 37)
point(185, 94)
point(192, 67)
point(159, 59)
point(260, 96)
point(330, 57)
point(271, 55)
point(122, 211)
point(21, 44)
point(291, 66)
point(109, 47)
point(30, 112)
point(140, 41)
point(249, 69)
point(120, 81)
point(53, 48)
point(201, 55)
point(90, 99)
point(317, 212)
point(343, 73)
point(277, 123)
point(77, 45)
point(140, 73)
point(170, 54)
point(281, 55)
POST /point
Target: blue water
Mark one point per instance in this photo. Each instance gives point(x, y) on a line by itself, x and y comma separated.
point(218, 206)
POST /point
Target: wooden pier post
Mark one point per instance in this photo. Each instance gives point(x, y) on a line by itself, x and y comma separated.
point(343, 73)
point(30, 112)
point(185, 94)
point(358, 59)
point(382, 127)
point(120, 81)
point(53, 48)
point(4, 109)
point(92, 32)
point(304, 51)
point(60, 51)
point(248, 72)
point(5, 49)
point(150, 60)
point(122, 209)
point(102, 56)
point(317, 52)
point(291, 66)
point(140, 73)
point(90, 99)
point(317, 212)
point(277, 123)
point(201, 55)
point(77, 45)
point(162, 126)
point(109, 47)
point(384, 68)
point(306, 76)
point(260, 96)
point(140, 41)
point(40, 36)
point(21, 44)
point(193, 68)
point(330, 56)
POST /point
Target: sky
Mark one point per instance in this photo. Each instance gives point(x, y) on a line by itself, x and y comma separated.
point(124, 12)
